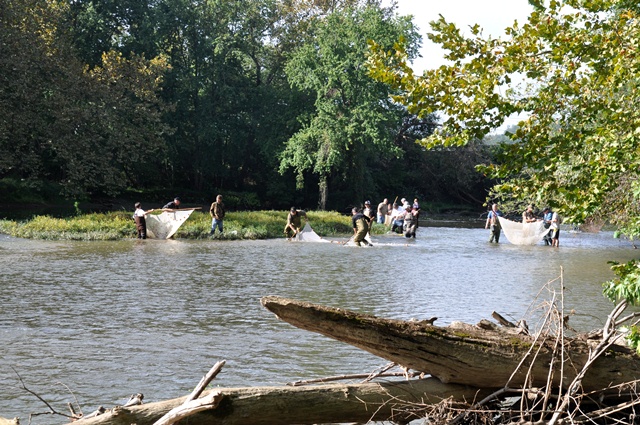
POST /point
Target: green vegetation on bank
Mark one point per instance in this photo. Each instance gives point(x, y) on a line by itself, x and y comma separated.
point(120, 225)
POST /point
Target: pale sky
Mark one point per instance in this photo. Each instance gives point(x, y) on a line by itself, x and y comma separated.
point(492, 15)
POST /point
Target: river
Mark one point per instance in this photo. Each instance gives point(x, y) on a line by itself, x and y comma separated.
point(98, 321)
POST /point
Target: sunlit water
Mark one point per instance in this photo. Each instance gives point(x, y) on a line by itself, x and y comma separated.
point(99, 321)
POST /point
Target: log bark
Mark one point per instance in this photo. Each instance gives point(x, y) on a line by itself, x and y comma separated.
point(463, 354)
point(335, 403)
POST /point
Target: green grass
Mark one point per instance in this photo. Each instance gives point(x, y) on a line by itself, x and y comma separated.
point(120, 225)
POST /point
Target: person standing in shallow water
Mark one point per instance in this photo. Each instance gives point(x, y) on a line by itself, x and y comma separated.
point(360, 227)
point(494, 223)
point(294, 222)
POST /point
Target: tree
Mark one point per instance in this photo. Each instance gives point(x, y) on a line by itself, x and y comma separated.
point(353, 116)
point(87, 130)
point(577, 68)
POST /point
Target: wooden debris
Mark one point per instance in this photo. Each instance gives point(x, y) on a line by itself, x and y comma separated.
point(463, 353)
point(331, 403)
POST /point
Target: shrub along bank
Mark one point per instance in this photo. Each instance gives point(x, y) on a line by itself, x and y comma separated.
point(119, 225)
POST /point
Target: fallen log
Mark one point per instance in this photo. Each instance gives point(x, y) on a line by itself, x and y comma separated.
point(335, 403)
point(463, 354)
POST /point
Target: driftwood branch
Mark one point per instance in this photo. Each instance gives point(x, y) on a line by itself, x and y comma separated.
point(192, 404)
point(191, 407)
point(331, 403)
point(213, 372)
point(462, 353)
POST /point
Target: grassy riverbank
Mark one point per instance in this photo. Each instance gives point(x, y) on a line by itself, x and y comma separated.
point(120, 225)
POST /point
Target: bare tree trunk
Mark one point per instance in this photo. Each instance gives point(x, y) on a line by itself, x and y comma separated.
point(323, 188)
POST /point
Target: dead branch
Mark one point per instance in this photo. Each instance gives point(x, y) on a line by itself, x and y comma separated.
point(191, 404)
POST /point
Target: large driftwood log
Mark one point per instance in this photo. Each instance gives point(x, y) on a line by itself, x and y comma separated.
point(464, 354)
point(299, 405)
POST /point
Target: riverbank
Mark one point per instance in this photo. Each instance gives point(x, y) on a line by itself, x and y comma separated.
point(119, 225)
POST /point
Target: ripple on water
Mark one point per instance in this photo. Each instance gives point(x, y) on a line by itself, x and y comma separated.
point(109, 319)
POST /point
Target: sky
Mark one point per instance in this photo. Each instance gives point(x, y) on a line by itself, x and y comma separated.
point(492, 15)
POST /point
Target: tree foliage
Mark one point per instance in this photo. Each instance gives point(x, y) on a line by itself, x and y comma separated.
point(84, 129)
point(572, 70)
point(206, 95)
point(353, 117)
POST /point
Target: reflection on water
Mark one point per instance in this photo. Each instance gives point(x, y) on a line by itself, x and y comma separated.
point(109, 319)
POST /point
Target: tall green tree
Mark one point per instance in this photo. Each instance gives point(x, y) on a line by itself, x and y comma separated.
point(575, 63)
point(353, 118)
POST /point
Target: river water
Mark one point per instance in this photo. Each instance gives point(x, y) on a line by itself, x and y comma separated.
point(98, 321)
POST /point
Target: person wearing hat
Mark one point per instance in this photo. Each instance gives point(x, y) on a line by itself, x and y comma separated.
point(294, 222)
point(173, 205)
point(369, 213)
point(217, 212)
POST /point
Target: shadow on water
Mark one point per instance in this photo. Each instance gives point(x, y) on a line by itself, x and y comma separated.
point(109, 319)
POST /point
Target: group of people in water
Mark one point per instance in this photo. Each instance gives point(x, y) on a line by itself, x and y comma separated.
point(402, 218)
point(549, 217)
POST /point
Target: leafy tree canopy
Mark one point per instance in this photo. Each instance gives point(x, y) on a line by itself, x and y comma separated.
point(573, 70)
point(352, 115)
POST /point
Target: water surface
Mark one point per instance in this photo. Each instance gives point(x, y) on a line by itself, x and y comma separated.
point(99, 321)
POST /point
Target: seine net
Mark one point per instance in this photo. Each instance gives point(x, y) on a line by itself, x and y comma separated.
point(308, 235)
point(523, 233)
point(163, 226)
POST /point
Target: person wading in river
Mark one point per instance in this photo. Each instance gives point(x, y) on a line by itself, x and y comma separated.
point(294, 222)
point(494, 223)
point(360, 227)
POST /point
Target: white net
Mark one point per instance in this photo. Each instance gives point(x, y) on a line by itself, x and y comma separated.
point(163, 226)
point(523, 233)
point(308, 235)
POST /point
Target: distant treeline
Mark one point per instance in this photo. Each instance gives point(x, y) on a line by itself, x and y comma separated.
point(269, 98)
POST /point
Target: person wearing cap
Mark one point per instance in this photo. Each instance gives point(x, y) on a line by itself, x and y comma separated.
point(173, 205)
point(494, 223)
point(294, 222)
point(369, 213)
point(217, 211)
point(360, 227)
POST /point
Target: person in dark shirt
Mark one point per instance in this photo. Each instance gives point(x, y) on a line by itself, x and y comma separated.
point(173, 205)
point(360, 227)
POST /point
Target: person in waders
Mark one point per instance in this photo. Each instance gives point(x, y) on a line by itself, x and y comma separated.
point(360, 227)
point(294, 222)
point(141, 221)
